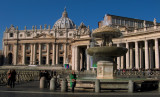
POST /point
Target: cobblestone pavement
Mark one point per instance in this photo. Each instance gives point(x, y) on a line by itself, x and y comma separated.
point(32, 90)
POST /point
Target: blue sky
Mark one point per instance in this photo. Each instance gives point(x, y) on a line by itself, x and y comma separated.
point(40, 12)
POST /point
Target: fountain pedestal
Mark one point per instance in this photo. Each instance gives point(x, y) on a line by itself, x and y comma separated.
point(105, 70)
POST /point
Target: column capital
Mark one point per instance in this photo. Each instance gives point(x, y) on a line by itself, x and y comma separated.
point(53, 43)
point(136, 41)
point(156, 39)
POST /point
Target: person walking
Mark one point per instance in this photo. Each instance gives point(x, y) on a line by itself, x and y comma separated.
point(13, 78)
point(73, 80)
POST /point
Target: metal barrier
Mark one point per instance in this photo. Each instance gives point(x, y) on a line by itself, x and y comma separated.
point(22, 76)
point(137, 74)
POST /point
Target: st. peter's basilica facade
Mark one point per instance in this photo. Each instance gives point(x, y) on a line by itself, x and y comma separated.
point(66, 43)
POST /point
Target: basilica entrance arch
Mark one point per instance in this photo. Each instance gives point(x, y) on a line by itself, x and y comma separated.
point(44, 60)
point(10, 58)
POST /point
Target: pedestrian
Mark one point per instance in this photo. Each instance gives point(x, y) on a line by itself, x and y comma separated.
point(73, 80)
point(48, 77)
point(42, 74)
point(13, 78)
point(9, 78)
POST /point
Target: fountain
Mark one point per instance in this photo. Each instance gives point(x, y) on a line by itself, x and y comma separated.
point(106, 52)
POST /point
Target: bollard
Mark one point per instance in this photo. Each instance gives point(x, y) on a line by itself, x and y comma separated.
point(42, 82)
point(159, 86)
point(130, 86)
point(64, 87)
point(53, 84)
point(97, 86)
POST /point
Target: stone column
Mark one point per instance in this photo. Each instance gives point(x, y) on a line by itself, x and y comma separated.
point(131, 56)
point(54, 54)
point(5, 54)
point(5, 50)
point(118, 60)
point(34, 54)
point(24, 54)
point(146, 55)
point(127, 56)
point(156, 54)
point(65, 54)
point(88, 62)
point(40, 54)
point(141, 56)
point(47, 60)
point(76, 58)
point(31, 61)
point(15, 54)
point(136, 55)
point(57, 53)
point(73, 58)
point(122, 62)
point(151, 55)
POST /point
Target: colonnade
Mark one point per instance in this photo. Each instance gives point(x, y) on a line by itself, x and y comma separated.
point(140, 55)
point(76, 58)
point(37, 53)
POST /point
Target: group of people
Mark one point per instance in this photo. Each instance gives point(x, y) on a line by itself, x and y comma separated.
point(11, 75)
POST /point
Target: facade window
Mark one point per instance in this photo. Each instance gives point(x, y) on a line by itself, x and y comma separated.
point(21, 35)
point(44, 47)
point(126, 22)
point(113, 21)
point(11, 35)
point(50, 46)
point(61, 34)
point(37, 46)
point(27, 47)
point(131, 23)
point(117, 21)
point(70, 34)
point(19, 47)
point(70, 47)
point(122, 22)
point(28, 34)
point(10, 47)
point(61, 47)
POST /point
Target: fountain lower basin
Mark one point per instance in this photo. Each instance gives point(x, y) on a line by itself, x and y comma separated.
point(106, 65)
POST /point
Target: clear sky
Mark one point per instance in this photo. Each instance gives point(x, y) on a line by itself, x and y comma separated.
point(40, 12)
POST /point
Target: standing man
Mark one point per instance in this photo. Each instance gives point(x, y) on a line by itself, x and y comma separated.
point(13, 78)
point(73, 80)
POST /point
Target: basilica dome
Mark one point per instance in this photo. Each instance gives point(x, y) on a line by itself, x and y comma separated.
point(64, 22)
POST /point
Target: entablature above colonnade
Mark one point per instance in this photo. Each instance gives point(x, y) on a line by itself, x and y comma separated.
point(37, 41)
point(81, 43)
point(139, 37)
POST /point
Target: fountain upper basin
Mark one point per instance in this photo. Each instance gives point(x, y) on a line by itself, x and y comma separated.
point(107, 51)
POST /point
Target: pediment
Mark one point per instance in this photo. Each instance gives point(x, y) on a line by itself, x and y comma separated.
point(43, 35)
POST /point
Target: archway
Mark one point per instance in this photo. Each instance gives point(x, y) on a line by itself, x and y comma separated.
point(44, 60)
point(10, 58)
